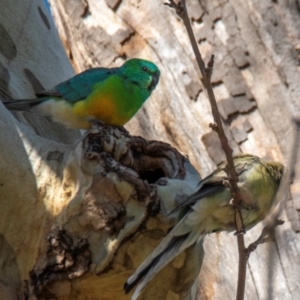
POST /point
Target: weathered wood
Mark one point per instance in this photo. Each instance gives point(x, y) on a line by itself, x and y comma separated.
point(67, 211)
point(29, 44)
point(256, 76)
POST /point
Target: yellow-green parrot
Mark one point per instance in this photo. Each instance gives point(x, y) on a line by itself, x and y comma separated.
point(210, 210)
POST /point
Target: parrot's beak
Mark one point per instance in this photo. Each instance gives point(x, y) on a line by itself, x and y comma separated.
point(155, 79)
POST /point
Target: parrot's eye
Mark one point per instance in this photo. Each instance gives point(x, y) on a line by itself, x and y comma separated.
point(145, 69)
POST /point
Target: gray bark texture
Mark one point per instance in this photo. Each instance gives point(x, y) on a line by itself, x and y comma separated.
point(76, 222)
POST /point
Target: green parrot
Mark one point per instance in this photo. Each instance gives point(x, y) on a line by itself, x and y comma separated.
point(210, 210)
point(110, 96)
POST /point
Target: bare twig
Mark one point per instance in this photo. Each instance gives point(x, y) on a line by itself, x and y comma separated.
point(266, 236)
point(180, 8)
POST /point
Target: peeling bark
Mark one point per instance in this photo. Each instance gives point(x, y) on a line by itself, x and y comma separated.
point(66, 257)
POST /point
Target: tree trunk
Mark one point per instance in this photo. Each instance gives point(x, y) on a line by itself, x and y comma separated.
point(76, 223)
point(70, 210)
point(31, 58)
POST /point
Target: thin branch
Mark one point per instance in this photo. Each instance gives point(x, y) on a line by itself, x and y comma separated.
point(265, 236)
point(180, 8)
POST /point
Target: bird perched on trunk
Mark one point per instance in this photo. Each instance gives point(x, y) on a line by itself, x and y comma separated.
point(209, 210)
point(110, 96)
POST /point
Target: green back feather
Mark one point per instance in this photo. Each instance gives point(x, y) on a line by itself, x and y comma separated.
point(140, 72)
point(80, 86)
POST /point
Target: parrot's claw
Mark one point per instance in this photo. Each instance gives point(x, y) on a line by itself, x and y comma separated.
point(231, 202)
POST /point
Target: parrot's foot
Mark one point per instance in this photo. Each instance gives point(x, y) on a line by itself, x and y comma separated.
point(244, 205)
point(241, 232)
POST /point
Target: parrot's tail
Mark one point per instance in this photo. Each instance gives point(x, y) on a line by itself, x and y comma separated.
point(169, 248)
point(24, 104)
point(152, 265)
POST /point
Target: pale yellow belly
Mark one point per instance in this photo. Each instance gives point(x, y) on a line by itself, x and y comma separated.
point(62, 112)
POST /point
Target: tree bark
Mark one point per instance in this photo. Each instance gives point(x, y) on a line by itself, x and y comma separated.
point(31, 58)
point(75, 223)
point(256, 75)
point(70, 207)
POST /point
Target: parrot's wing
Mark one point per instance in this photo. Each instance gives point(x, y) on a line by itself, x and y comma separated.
point(216, 181)
point(207, 187)
point(80, 86)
